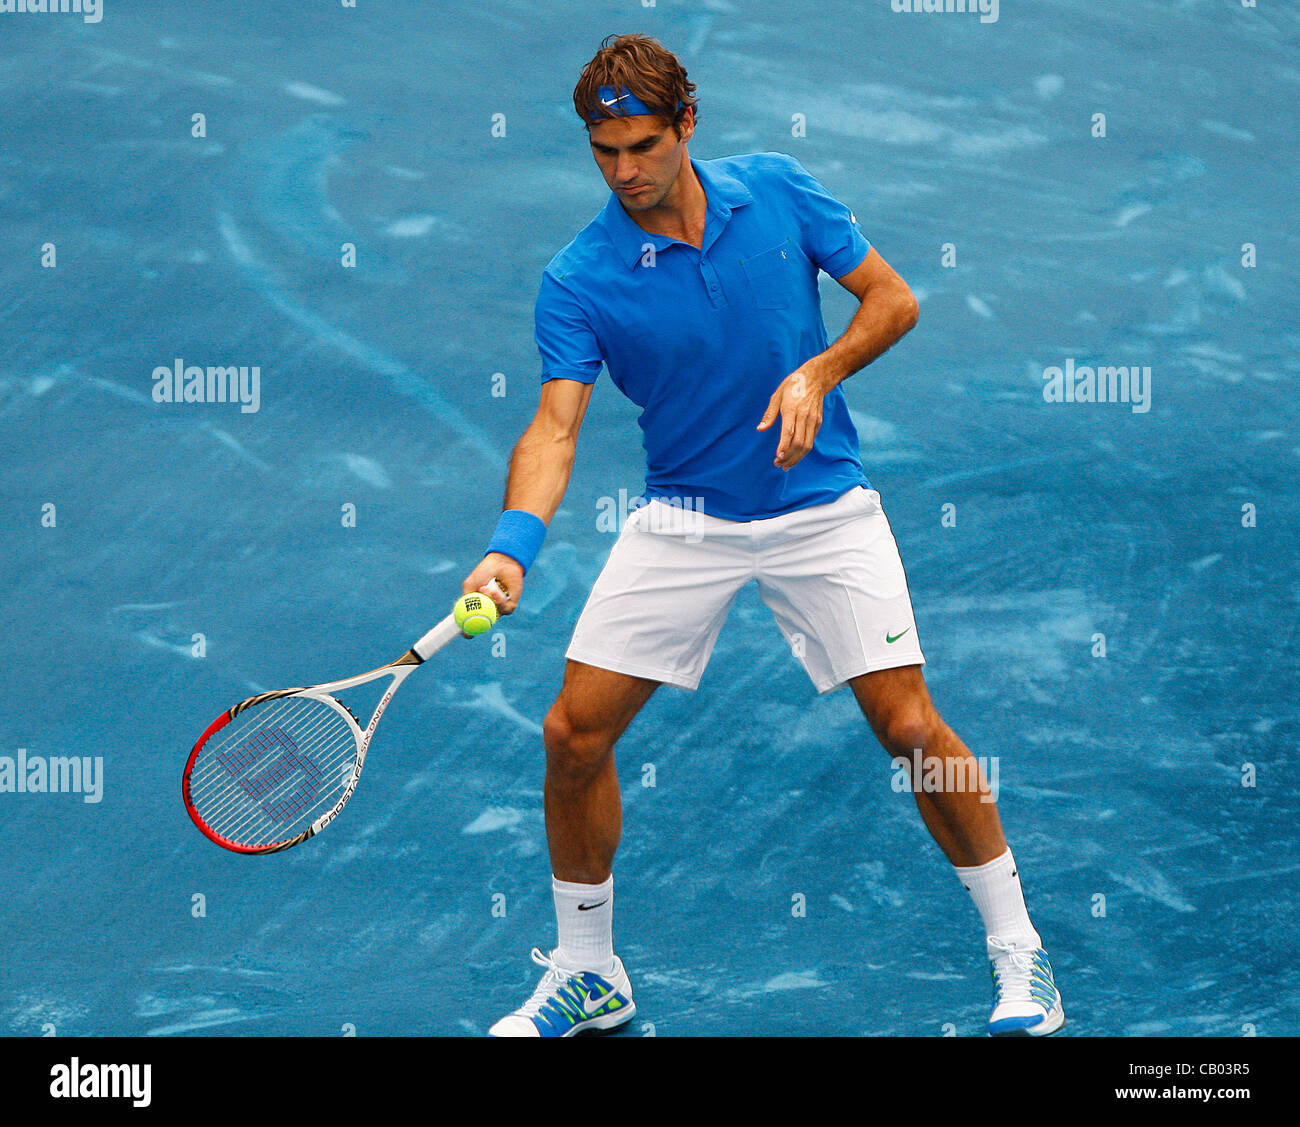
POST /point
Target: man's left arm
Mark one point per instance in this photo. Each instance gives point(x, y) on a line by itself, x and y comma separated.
point(887, 310)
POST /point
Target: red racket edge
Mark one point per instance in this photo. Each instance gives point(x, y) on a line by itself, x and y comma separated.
point(207, 831)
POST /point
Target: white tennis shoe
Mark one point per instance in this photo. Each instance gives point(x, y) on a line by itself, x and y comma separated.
point(567, 1002)
point(1026, 1002)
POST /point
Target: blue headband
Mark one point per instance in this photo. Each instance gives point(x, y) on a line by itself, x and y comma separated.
point(625, 104)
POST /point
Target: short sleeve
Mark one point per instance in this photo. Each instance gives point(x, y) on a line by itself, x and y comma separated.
point(832, 238)
point(569, 348)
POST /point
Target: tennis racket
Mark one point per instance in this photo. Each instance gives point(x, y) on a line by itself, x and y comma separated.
point(279, 767)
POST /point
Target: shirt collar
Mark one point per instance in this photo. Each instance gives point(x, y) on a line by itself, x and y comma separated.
point(722, 192)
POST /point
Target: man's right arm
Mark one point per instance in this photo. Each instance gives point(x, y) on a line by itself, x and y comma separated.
point(539, 474)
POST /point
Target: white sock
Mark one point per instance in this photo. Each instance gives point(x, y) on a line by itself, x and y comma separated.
point(995, 888)
point(584, 914)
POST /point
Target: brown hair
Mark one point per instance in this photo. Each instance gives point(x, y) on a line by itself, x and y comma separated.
point(645, 67)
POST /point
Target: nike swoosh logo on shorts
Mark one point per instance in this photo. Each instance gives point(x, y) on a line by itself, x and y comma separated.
point(890, 641)
point(588, 907)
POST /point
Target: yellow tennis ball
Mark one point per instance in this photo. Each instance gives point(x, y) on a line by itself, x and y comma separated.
point(475, 614)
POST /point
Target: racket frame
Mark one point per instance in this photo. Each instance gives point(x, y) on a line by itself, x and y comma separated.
point(398, 670)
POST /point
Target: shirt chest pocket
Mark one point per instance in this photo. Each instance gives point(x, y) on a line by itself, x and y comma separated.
point(772, 276)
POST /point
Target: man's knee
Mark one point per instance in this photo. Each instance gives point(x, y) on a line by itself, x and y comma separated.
point(897, 705)
point(575, 745)
point(908, 728)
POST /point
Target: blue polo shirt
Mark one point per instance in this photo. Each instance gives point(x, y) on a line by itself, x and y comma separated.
point(700, 338)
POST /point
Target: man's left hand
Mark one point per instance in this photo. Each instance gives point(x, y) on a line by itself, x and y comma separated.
point(798, 402)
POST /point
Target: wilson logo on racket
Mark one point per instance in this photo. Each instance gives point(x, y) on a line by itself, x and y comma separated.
point(278, 768)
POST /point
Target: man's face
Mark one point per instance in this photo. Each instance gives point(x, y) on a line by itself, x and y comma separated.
point(640, 157)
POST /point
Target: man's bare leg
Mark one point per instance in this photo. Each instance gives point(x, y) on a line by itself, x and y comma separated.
point(897, 704)
point(585, 986)
point(584, 811)
point(964, 822)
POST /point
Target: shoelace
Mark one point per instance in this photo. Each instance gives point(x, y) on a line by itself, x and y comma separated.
point(555, 977)
point(1012, 967)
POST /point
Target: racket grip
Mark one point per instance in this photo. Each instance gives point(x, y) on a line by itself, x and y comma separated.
point(436, 638)
point(446, 630)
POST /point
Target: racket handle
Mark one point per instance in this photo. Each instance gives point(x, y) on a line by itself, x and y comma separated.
point(436, 638)
point(446, 630)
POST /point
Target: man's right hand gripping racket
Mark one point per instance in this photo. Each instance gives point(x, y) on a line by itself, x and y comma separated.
point(279, 767)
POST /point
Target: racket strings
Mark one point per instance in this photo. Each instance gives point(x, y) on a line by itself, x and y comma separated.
point(244, 739)
point(272, 769)
point(263, 809)
point(303, 750)
point(286, 729)
point(269, 820)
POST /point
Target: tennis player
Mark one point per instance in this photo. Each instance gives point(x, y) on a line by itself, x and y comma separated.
point(696, 286)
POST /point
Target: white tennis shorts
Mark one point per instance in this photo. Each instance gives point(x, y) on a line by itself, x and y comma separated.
point(830, 574)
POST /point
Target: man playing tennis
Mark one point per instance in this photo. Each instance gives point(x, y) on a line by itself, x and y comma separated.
point(696, 287)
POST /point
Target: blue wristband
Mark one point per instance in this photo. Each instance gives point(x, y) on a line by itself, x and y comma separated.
point(519, 535)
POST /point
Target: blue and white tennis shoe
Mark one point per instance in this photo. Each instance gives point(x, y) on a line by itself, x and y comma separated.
point(1026, 1002)
point(567, 1002)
